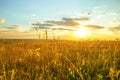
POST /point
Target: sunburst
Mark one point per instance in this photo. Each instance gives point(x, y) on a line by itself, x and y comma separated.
point(82, 32)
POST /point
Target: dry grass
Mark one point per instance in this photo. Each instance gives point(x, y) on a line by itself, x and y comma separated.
point(60, 60)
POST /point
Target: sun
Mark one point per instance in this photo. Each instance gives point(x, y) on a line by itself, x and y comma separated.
point(81, 32)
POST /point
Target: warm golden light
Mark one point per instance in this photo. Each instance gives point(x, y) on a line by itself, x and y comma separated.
point(82, 32)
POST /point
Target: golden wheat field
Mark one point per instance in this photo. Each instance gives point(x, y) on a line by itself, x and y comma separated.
point(59, 60)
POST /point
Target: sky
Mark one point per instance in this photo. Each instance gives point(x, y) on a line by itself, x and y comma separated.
point(30, 19)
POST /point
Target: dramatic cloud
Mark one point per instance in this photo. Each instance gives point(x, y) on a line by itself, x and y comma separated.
point(94, 26)
point(2, 20)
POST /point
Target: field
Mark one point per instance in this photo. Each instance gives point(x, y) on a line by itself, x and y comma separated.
point(59, 60)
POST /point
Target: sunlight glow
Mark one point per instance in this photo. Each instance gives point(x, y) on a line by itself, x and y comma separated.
point(81, 32)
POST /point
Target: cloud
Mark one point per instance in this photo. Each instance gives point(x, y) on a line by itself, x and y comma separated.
point(77, 19)
point(94, 26)
point(39, 24)
point(67, 19)
point(10, 28)
point(37, 28)
point(116, 21)
point(68, 29)
point(82, 19)
point(115, 29)
point(2, 20)
point(85, 13)
point(64, 22)
point(1, 27)
point(53, 28)
point(13, 27)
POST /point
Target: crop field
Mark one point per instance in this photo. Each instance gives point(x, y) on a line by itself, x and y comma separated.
point(59, 60)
